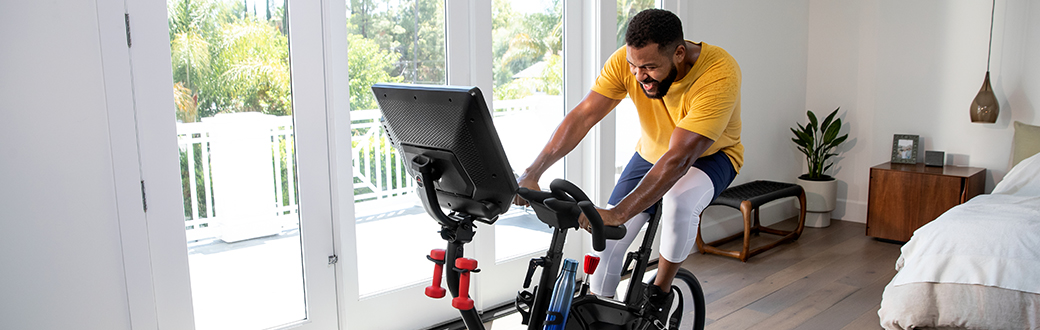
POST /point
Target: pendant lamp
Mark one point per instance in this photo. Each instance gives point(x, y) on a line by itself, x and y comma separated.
point(985, 108)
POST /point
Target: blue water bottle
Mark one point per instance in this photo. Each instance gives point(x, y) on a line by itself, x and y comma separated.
point(563, 293)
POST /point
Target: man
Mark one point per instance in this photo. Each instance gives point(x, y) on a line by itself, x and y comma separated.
point(688, 98)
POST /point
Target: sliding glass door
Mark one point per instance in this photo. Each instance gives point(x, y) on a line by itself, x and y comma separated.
point(243, 117)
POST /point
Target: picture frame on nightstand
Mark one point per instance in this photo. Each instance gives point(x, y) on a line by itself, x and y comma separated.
point(904, 149)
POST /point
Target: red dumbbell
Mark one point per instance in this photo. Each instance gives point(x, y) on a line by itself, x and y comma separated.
point(466, 266)
point(435, 290)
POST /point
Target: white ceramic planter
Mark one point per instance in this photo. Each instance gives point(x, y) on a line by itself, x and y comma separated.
point(820, 199)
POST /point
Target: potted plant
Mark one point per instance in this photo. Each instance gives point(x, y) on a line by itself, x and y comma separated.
point(817, 140)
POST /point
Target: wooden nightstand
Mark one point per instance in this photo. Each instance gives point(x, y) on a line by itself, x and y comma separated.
point(904, 197)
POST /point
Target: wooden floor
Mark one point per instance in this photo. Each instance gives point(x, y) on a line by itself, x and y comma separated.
point(830, 278)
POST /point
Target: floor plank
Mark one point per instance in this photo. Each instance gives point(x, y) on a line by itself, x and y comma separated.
point(813, 304)
point(869, 320)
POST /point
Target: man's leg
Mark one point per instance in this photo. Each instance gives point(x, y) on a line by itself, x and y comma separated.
point(666, 271)
point(605, 280)
point(680, 219)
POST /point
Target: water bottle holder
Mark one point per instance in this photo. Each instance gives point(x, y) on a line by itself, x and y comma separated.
point(524, 300)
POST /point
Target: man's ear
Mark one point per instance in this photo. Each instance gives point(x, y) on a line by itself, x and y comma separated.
point(680, 53)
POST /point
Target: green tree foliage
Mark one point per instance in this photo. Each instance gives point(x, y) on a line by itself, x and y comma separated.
point(225, 58)
point(368, 64)
point(411, 29)
point(625, 10)
point(519, 41)
point(255, 55)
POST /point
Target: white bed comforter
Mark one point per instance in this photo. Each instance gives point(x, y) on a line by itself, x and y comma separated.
point(991, 240)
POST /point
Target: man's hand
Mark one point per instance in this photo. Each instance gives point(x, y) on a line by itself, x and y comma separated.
point(610, 218)
point(528, 182)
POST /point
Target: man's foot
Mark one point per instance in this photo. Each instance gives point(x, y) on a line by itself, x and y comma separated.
point(658, 305)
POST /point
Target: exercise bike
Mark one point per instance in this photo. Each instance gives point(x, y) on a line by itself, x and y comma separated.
point(447, 138)
point(559, 208)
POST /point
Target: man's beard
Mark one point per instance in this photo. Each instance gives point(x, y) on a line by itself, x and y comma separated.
point(662, 86)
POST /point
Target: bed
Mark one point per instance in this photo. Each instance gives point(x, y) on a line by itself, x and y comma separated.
point(978, 265)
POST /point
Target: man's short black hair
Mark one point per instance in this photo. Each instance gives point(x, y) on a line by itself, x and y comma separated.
point(654, 26)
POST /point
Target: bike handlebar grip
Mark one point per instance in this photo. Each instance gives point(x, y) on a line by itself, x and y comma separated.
point(463, 301)
point(614, 232)
point(590, 263)
point(533, 195)
point(561, 206)
point(569, 188)
point(435, 290)
point(600, 233)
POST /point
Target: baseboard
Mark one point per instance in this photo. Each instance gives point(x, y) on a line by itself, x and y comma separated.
point(854, 211)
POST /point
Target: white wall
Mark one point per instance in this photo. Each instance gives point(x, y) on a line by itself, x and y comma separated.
point(60, 257)
point(913, 67)
point(769, 41)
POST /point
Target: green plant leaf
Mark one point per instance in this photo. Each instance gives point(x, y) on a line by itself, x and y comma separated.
point(827, 122)
point(829, 135)
point(802, 128)
point(812, 120)
point(805, 139)
point(798, 142)
point(817, 142)
point(808, 135)
point(839, 140)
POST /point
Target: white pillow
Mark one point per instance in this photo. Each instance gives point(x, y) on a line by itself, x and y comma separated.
point(1023, 179)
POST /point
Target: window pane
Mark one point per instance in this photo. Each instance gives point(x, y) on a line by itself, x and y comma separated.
point(399, 41)
point(527, 43)
point(235, 133)
point(626, 120)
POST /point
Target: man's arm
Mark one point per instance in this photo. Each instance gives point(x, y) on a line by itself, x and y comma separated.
point(575, 125)
point(683, 149)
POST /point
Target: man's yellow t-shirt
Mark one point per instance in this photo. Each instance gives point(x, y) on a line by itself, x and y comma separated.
point(706, 101)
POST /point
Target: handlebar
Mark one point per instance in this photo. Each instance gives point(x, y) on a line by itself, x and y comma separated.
point(566, 201)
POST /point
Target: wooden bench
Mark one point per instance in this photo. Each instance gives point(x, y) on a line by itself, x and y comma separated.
point(747, 198)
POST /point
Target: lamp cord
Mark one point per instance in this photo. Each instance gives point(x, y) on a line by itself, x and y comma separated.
point(990, 53)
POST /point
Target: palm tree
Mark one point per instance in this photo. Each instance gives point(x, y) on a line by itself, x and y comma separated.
point(257, 58)
point(535, 38)
point(190, 52)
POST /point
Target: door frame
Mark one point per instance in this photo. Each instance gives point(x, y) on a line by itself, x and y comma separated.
point(154, 241)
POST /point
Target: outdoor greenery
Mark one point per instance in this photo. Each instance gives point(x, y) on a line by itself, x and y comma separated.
point(520, 41)
point(226, 58)
point(232, 56)
point(625, 10)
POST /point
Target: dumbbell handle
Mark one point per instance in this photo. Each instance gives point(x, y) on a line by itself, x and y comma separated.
point(435, 290)
point(466, 267)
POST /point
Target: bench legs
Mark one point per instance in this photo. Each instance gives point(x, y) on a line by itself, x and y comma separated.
point(753, 226)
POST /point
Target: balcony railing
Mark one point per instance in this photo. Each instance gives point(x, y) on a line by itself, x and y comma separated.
point(378, 172)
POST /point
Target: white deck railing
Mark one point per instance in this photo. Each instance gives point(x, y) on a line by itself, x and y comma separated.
point(378, 172)
point(194, 141)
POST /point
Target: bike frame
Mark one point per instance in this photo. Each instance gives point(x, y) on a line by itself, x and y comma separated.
point(458, 229)
point(552, 261)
